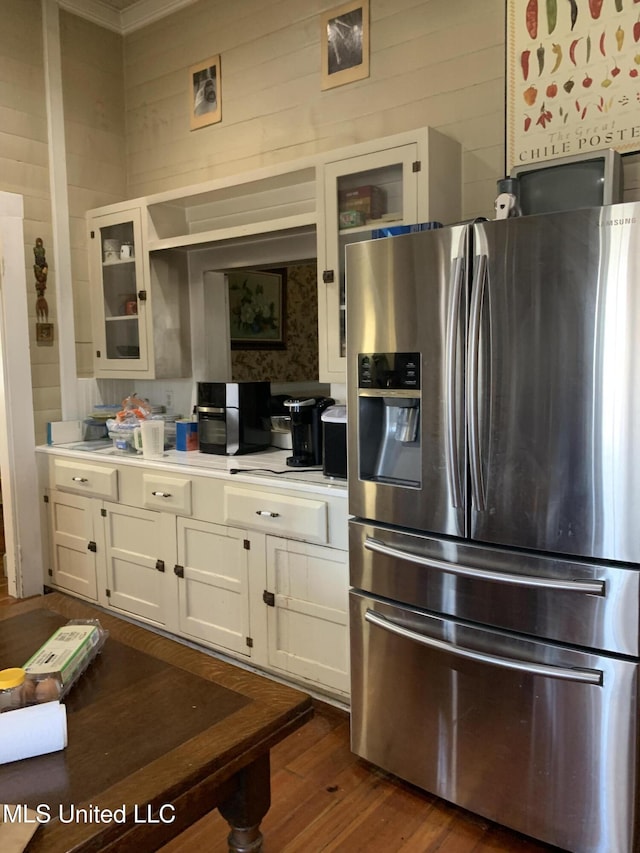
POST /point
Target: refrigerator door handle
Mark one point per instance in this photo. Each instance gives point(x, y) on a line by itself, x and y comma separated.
point(592, 587)
point(586, 676)
point(477, 294)
point(453, 467)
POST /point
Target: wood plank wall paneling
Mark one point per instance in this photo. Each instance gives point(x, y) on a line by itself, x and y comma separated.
point(24, 169)
point(433, 63)
point(96, 157)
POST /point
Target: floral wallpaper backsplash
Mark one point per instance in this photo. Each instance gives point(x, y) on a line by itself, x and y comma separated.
point(299, 361)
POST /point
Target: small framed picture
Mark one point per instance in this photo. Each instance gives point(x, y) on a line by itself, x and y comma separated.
point(257, 309)
point(345, 44)
point(205, 93)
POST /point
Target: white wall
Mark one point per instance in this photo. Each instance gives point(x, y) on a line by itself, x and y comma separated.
point(96, 156)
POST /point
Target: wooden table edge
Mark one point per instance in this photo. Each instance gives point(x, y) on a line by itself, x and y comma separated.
point(292, 708)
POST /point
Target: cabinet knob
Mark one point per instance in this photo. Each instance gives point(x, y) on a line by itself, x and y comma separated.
point(267, 513)
point(142, 295)
point(328, 276)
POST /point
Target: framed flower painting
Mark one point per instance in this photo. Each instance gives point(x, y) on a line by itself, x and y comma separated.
point(257, 309)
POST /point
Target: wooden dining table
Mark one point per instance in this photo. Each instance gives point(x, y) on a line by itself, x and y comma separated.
point(159, 734)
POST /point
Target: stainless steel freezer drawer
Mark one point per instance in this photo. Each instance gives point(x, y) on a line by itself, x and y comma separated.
point(580, 603)
point(536, 736)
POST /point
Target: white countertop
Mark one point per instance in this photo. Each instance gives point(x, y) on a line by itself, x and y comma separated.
point(252, 467)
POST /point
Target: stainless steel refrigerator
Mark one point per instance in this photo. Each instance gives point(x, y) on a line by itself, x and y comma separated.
point(494, 480)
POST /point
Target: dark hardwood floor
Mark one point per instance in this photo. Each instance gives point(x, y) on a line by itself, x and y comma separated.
point(326, 799)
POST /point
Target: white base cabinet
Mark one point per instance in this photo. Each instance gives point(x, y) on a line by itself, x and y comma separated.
point(307, 594)
point(73, 546)
point(257, 572)
point(136, 547)
point(213, 586)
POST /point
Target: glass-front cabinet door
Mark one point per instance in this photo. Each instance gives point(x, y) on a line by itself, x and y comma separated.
point(119, 297)
point(361, 193)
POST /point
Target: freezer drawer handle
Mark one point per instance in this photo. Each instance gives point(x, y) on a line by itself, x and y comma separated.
point(586, 676)
point(592, 587)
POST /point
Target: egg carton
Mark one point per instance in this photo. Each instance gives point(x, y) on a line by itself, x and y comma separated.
point(53, 670)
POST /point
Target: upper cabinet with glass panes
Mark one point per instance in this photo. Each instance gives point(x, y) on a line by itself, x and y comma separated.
point(135, 304)
point(367, 190)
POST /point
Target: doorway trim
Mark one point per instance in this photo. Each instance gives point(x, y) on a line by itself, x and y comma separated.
point(20, 497)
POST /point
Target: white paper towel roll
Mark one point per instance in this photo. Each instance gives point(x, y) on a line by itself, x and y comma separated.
point(32, 731)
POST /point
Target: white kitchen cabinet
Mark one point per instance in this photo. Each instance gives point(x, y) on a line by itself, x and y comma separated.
point(288, 515)
point(74, 527)
point(268, 216)
point(213, 585)
point(415, 177)
point(253, 571)
point(307, 622)
point(83, 478)
point(140, 304)
point(139, 552)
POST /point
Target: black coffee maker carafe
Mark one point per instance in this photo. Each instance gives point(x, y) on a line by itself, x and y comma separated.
point(306, 430)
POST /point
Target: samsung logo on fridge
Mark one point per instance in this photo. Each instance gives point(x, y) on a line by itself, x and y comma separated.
point(627, 220)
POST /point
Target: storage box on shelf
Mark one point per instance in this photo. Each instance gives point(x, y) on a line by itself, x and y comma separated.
point(370, 201)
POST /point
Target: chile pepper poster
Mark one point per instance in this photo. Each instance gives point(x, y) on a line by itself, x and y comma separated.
point(573, 78)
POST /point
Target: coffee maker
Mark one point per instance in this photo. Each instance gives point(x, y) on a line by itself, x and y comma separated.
point(233, 417)
point(306, 430)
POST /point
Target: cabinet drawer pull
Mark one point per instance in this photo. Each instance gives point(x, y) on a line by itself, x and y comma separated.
point(161, 494)
point(267, 513)
point(79, 480)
